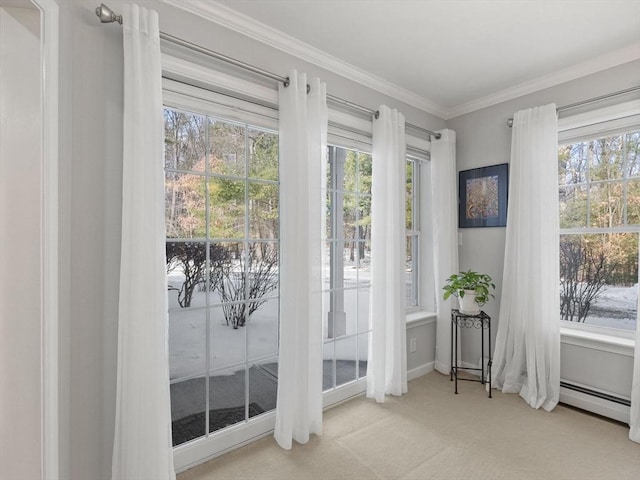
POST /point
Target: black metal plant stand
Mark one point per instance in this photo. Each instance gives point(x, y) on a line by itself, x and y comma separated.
point(464, 320)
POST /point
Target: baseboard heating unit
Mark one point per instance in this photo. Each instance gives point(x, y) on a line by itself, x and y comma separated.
point(596, 401)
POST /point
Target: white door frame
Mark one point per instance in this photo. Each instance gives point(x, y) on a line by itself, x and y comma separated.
point(49, 41)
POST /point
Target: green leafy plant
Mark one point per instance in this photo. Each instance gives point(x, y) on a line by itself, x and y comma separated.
point(480, 283)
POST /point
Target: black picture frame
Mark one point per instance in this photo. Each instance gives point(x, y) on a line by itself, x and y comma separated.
point(482, 196)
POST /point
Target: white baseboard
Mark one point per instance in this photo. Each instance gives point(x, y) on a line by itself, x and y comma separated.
point(420, 371)
point(600, 406)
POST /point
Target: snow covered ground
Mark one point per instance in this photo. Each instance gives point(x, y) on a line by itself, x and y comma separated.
point(615, 307)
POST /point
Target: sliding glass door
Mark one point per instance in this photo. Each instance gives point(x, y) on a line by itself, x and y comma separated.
point(222, 243)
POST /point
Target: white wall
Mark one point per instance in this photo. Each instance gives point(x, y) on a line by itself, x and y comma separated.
point(483, 138)
point(20, 242)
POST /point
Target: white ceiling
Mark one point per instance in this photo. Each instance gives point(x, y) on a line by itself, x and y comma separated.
point(452, 56)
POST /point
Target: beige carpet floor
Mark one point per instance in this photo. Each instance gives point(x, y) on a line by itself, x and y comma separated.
point(430, 433)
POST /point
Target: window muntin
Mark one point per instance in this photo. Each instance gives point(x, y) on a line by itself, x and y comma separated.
point(221, 199)
point(599, 192)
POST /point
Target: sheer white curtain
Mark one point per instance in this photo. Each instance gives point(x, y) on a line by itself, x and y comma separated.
point(387, 364)
point(634, 431)
point(142, 444)
point(303, 141)
point(527, 353)
point(444, 205)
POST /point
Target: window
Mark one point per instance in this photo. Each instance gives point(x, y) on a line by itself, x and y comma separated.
point(599, 191)
point(412, 284)
point(222, 221)
point(347, 285)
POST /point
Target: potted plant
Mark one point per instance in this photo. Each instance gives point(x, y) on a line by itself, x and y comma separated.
point(471, 288)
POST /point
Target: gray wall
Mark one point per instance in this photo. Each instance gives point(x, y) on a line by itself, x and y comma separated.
point(484, 139)
point(90, 202)
point(21, 281)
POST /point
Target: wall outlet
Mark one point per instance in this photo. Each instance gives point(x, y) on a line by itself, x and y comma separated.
point(412, 345)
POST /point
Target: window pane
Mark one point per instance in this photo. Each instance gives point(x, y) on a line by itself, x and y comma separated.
point(633, 154)
point(573, 207)
point(263, 386)
point(263, 330)
point(185, 141)
point(605, 159)
point(598, 279)
point(262, 267)
point(409, 196)
point(328, 375)
point(187, 370)
point(364, 173)
point(226, 148)
point(633, 202)
point(263, 210)
point(226, 208)
point(345, 351)
point(350, 212)
point(410, 287)
point(363, 349)
point(185, 210)
point(187, 274)
point(363, 263)
point(364, 323)
point(227, 278)
point(606, 204)
point(572, 163)
point(263, 155)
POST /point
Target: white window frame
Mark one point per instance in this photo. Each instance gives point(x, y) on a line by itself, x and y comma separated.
point(592, 124)
point(415, 233)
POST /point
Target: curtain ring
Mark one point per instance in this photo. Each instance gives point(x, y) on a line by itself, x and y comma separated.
point(287, 82)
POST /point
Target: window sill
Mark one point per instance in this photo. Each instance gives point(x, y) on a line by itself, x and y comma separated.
point(606, 342)
point(419, 318)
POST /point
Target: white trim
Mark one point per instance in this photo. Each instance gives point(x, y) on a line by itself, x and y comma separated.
point(604, 340)
point(599, 116)
point(202, 450)
point(420, 371)
point(594, 65)
point(417, 319)
point(173, 66)
point(49, 254)
point(595, 404)
point(238, 22)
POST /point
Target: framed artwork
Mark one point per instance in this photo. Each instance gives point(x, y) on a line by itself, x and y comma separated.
point(482, 196)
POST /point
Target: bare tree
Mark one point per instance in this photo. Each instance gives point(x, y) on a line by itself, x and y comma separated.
point(191, 259)
point(251, 275)
point(583, 273)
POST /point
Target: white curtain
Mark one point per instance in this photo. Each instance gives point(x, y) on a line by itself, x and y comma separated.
point(527, 353)
point(444, 205)
point(634, 432)
point(142, 445)
point(303, 141)
point(387, 364)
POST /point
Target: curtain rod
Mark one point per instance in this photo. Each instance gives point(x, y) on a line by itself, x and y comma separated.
point(588, 101)
point(107, 15)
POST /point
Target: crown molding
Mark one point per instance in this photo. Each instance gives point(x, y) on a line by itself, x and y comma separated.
point(594, 65)
point(247, 26)
point(238, 22)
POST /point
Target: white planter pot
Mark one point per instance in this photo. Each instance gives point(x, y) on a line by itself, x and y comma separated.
point(468, 303)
